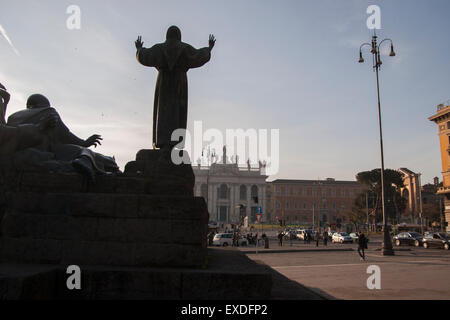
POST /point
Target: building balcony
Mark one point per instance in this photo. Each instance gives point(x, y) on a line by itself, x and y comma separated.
point(443, 190)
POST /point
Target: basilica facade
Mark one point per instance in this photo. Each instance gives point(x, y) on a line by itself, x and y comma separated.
point(231, 192)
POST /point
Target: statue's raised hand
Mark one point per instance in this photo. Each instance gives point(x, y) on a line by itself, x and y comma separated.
point(139, 43)
point(4, 94)
point(212, 41)
point(93, 140)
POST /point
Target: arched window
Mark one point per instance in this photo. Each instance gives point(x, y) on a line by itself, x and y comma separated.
point(223, 191)
point(243, 192)
point(254, 193)
point(204, 191)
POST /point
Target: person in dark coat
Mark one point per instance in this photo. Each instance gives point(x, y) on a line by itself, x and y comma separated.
point(280, 239)
point(325, 238)
point(316, 234)
point(362, 244)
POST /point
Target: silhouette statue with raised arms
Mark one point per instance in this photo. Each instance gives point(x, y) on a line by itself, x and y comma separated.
point(172, 59)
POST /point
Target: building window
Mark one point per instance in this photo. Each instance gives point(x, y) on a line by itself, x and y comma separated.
point(342, 193)
point(351, 193)
point(333, 192)
point(295, 191)
point(448, 124)
point(304, 205)
point(223, 191)
point(204, 191)
point(287, 204)
point(296, 204)
point(324, 192)
point(304, 192)
point(278, 205)
point(254, 193)
point(243, 192)
point(288, 191)
point(278, 190)
point(314, 192)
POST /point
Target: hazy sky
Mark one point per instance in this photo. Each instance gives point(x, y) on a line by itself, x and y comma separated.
point(288, 65)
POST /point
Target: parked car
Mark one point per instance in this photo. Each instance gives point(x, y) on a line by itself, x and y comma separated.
point(408, 238)
point(290, 235)
point(341, 237)
point(243, 242)
point(226, 239)
point(354, 237)
point(330, 234)
point(436, 240)
point(301, 234)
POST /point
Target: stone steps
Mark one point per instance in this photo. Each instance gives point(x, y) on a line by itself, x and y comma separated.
point(109, 205)
point(118, 184)
point(104, 229)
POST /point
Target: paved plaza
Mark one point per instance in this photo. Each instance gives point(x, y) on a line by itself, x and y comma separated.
point(336, 271)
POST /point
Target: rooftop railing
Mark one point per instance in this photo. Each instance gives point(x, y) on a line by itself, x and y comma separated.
point(443, 105)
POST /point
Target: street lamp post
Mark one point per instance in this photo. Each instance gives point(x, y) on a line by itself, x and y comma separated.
point(386, 248)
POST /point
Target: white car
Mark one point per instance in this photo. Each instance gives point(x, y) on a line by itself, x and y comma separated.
point(301, 234)
point(226, 239)
point(341, 237)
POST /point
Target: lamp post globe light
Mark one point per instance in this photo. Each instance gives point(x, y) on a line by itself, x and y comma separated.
point(386, 248)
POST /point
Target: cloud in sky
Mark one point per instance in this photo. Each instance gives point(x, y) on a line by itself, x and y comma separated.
point(5, 35)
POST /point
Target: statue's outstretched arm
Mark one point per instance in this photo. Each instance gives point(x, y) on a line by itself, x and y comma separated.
point(4, 95)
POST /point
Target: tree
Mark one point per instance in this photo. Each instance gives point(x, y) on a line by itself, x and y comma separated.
point(395, 203)
point(431, 212)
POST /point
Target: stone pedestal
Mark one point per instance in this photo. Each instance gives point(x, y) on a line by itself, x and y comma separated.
point(146, 217)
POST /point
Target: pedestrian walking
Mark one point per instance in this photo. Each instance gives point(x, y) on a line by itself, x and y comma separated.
point(325, 238)
point(211, 238)
point(316, 235)
point(362, 244)
point(280, 239)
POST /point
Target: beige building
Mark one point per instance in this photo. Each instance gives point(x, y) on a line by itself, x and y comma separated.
point(307, 202)
point(412, 193)
point(442, 119)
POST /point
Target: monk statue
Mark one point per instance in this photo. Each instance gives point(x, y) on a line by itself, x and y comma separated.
point(57, 147)
point(172, 59)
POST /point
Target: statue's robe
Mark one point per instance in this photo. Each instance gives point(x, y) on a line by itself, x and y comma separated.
point(172, 59)
point(12, 139)
point(59, 140)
